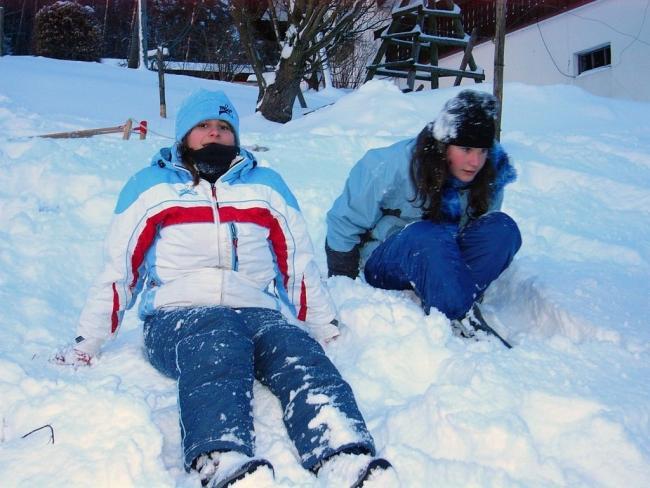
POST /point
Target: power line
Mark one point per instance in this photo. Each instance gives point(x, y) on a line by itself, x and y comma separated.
point(635, 38)
point(550, 55)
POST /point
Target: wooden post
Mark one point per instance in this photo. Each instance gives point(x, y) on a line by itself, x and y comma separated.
point(76, 134)
point(301, 98)
point(499, 45)
point(142, 129)
point(468, 53)
point(415, 49)
point(459, 29)
point(433, 51)
point(161, 82)
point(2, 28)
point(126, 131)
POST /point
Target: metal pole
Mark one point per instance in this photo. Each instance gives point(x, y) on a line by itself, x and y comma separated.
point(499, 44)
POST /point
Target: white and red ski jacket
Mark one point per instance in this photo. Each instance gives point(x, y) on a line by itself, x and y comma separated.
point(241, 242)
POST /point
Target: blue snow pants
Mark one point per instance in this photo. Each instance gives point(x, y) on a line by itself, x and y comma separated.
point(216, 352)
point(447, 269)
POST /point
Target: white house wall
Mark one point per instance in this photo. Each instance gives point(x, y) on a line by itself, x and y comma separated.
point(623, 24)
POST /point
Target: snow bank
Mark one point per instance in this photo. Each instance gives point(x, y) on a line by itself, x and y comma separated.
point(567, 406)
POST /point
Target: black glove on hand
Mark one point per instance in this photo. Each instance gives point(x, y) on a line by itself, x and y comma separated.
point(342, 263)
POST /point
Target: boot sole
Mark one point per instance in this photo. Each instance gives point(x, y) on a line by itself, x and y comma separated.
point(246, 469)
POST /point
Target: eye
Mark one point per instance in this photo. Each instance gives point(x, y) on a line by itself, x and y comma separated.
point(224, 127)
point(202, 125)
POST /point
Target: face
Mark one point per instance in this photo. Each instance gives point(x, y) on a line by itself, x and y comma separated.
point(466, 162)
point(210, 131)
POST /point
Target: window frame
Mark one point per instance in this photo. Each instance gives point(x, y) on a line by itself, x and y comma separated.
point(585, 61)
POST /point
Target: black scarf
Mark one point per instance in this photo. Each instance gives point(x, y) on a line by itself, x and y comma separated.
point(213, 160)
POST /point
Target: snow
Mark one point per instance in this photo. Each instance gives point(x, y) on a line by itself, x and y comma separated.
point(569, 405)
point(290, 36)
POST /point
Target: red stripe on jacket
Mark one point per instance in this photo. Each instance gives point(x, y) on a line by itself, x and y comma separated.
point(302, 314)
point(264, 218)
point(116, 307)
point(169, 216)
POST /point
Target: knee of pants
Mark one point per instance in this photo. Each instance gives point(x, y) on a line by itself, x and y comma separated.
point(221, 353)
point(288, 341)
point(417, 247)
point(496, 232)
point(420, 235)
point(507, 232)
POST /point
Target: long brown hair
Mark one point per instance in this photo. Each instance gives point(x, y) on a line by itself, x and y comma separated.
point(185, 157)
point(429, 171)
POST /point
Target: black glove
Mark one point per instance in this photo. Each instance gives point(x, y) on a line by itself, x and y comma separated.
point(342, 263)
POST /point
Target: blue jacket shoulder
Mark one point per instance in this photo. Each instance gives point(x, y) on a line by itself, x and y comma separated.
point(260, 175)
point(145, 179)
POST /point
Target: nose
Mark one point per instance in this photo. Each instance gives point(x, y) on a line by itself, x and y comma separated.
point(474, 159)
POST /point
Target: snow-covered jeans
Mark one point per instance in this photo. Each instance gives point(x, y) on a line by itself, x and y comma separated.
point(447, 269)
point(216, 352)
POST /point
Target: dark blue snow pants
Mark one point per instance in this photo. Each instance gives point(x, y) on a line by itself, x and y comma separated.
point(448, 270)
point(216, 352)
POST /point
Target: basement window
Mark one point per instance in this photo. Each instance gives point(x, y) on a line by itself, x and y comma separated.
point(594, 58)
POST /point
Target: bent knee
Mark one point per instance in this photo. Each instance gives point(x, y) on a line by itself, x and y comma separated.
point(421, 236)
point(503, 230)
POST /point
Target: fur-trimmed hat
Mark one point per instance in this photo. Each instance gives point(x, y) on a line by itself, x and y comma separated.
point(467, 120)
point(205, 105)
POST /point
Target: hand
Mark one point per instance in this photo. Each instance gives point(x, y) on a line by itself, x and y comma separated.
point(324, 333)
point(80, 353)
point(71, 356)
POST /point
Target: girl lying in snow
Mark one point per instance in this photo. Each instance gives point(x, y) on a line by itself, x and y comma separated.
point(423, 213)
point(214, 242)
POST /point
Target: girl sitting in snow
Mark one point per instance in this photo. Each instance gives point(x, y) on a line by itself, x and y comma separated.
point(424, 213)
point(216, 242)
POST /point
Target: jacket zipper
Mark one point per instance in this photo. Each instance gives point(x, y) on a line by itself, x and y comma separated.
point(235, 241)
point(217, 221)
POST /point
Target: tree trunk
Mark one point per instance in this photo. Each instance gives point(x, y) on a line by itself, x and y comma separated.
point(18, 43)
point(143, 32)
point(104, 27)
point(2, 28)
point(189, 35)
point(244, 22)
point(134, 53)
point(278, 100)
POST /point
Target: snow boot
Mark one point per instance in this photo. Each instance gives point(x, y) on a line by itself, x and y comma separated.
point(378, 474)
point(231, 468)
point(472, 322)
point(356, 471)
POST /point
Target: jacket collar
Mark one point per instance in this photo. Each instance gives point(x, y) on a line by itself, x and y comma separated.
point(167, 157)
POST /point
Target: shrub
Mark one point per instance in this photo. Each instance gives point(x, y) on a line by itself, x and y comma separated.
point(67, 30)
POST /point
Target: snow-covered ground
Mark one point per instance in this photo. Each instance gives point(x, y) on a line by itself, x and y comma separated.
point(569, 405)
